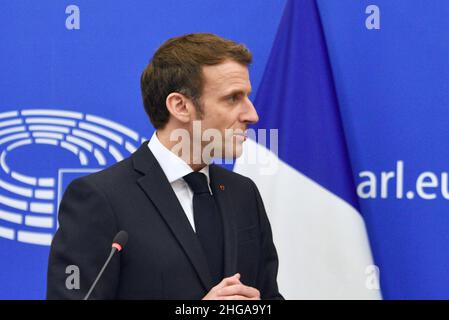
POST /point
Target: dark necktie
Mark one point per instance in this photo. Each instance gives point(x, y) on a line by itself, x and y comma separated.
point(208, 223)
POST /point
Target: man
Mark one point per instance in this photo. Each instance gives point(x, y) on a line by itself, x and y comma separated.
point(196, 230)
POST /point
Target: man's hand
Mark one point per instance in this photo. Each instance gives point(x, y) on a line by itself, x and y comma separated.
point(232, 289)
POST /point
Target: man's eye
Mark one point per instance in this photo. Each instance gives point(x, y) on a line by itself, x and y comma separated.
point(234, 98)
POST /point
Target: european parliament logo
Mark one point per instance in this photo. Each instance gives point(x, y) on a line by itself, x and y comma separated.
point(41, 151)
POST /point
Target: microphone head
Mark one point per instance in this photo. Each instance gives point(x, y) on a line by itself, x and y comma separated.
point(120, 240)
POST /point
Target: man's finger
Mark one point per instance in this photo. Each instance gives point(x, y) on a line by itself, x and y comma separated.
point(235, 279)
point(236, 297)
point(238, 289)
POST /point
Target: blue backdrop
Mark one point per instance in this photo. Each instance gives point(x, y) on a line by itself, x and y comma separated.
point(391, 80)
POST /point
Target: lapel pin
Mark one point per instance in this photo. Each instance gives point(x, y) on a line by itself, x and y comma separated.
point(222, 187)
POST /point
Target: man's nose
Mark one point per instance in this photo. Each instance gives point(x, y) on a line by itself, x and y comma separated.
point(250, 114)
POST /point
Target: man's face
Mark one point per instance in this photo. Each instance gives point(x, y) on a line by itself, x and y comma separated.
point(226, 105)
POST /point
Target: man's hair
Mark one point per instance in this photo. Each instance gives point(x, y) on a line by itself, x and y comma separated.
point(177, 67)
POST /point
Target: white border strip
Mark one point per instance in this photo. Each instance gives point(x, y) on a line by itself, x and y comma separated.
point(8, 114)
point(6, 233)
point(44, 120)
point(12, 130)
point(113, 125)
point(41, 222)
point(34, 237)
point(11, 217)
point(49, 112)
point(101, 131)
point(48, 128)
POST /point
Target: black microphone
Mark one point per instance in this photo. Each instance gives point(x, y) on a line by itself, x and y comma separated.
point(118, 244)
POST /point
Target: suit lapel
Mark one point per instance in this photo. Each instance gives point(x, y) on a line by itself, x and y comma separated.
point(156, 186)
point(224, 200)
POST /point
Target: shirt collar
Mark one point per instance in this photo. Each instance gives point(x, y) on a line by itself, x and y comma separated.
point(173, 166)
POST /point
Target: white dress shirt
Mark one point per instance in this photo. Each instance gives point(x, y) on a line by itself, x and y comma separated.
point(175, 168)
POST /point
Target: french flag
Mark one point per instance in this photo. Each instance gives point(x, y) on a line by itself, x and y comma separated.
point(307, 183)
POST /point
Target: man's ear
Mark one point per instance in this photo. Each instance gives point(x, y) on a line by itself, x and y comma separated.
point(180, 107)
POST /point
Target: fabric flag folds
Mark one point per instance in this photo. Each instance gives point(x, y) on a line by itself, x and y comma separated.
point(306, 182)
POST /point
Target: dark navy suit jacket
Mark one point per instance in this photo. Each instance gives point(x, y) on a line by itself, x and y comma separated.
point(163, 258)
